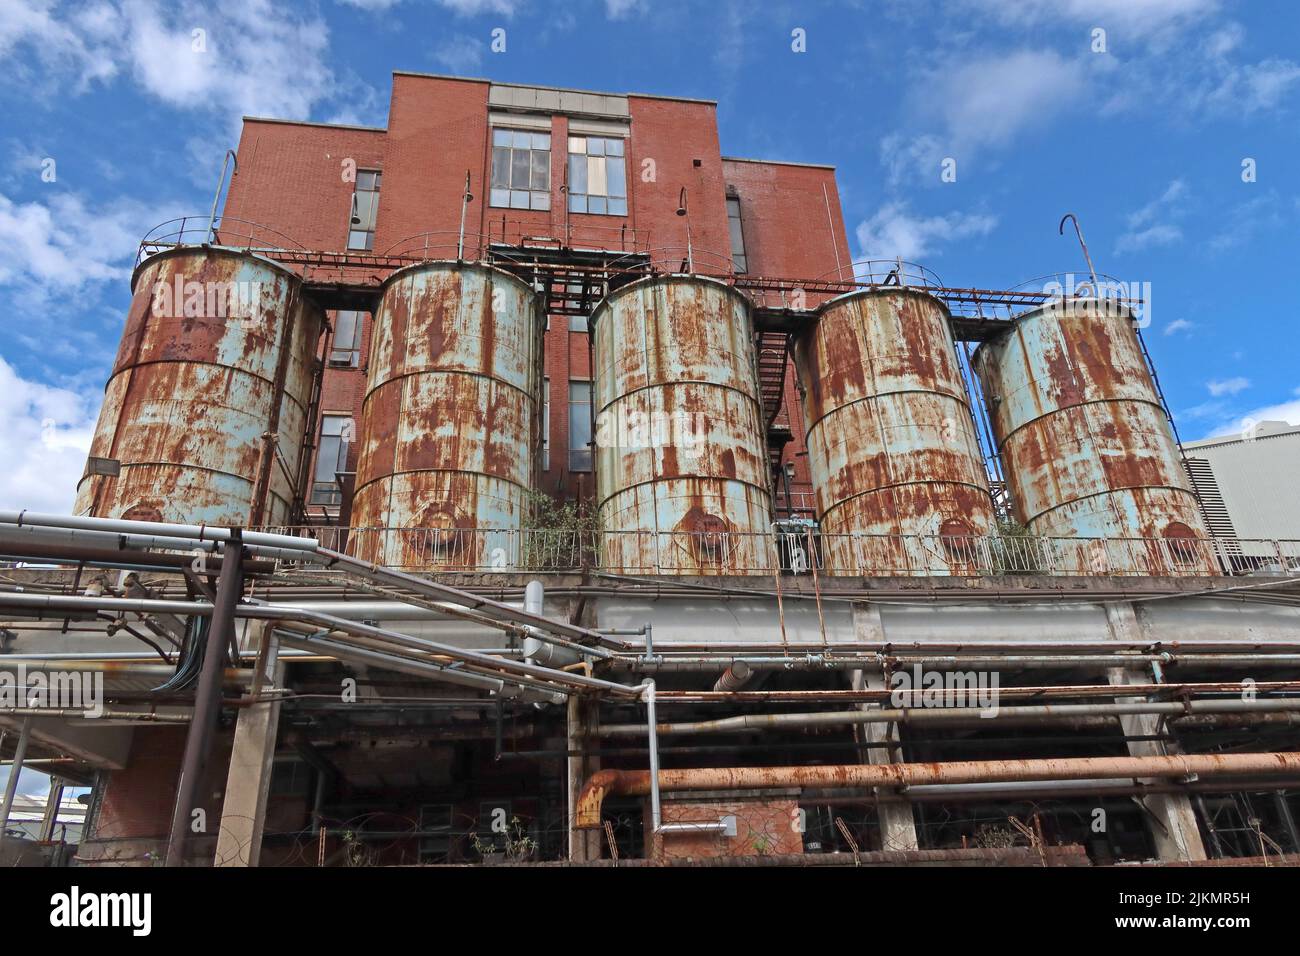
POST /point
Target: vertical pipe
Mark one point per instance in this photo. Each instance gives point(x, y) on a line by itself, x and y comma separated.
point(16, 771)
point(207, 697)
point(655, 817)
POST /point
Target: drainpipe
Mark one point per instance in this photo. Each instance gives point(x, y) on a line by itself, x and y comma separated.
point(1176, 766)
point(15, 771)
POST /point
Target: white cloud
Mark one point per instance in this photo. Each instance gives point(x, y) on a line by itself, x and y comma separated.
point(1288, 412)
point(894, 231)
point(252, 57)
point(1227, 386)
point(474, 8)
point(460, 52)
point(65, 246)
point(1152, 225)
point(990, 100)
point(66, 43)
point(1178, 325)
point(1245, 219)
point(44, 442)
point(981, 102)
point(619, 9)
point(1141, 19)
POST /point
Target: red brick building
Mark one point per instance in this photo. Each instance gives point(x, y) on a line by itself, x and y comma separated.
point(545, 167)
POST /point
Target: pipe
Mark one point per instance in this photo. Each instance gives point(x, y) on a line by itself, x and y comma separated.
point(147, 716)
point(734, 677)
point(536, 649)
point(806, 662)
point(278, 612)
point(203, 533)
point(652, 729)
point(207, 697)
point(955, 715)
point(605, 783)
point(15, 771)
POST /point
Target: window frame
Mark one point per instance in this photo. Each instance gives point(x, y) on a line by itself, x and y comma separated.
point(328, 493)
point(585, 452)
point(369, 182)
point(739, 259)
point(537, 164)
point(353, 351)
point(580, 200)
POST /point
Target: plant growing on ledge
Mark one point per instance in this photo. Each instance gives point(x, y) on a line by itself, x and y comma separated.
point(558, 536)
point(1016, 550)
point(518, 846)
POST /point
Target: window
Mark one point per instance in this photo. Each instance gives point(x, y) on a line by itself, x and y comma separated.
point(546, 424)
point(737, 235)
point(521, 169)
point(579, 426)
point(365, 210)
point(331, 458)
point(596, 177)
point(346, 347)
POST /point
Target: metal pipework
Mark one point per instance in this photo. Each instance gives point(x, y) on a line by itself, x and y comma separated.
point(151, 528)
point(328, 622)
point(638, 782)
point(734, 677)
point(652, 731)
point(520, 671)
point(537, 649)
point(207, 697)
point(1044, 661)
point(1031, 714)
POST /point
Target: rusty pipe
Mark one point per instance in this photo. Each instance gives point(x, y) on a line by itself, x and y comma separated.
point(734, 677)
point(605, 783)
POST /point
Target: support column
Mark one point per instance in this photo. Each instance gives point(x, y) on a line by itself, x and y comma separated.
point(897, 824)
point(243, 813)
point(1170, 817)
point(582, 721)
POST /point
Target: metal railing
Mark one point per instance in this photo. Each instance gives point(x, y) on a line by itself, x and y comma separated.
point(224, 231)
point(802, 551)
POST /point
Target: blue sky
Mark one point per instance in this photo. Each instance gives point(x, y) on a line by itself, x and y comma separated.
point(1144, 140)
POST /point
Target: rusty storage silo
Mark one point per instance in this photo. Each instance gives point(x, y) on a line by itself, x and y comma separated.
point(1086, 445)
point(218, 352)
point(898, 477)
point(682, 475)
point(451, 420)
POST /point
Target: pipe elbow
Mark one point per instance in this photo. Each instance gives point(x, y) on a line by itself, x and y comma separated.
point(591, 798)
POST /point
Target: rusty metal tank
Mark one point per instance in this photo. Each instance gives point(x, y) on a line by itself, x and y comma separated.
point(1086, 445)
point(450, 426)
point(218, 352)
point(682, 474)
point(898, 477)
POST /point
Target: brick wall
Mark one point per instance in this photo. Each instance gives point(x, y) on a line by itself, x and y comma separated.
point(290, 179)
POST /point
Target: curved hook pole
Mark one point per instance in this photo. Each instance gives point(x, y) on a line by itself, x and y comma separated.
point(225, 163)
point(1079, 232)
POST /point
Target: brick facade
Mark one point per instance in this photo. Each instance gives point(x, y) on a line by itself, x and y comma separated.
point(290, 178)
